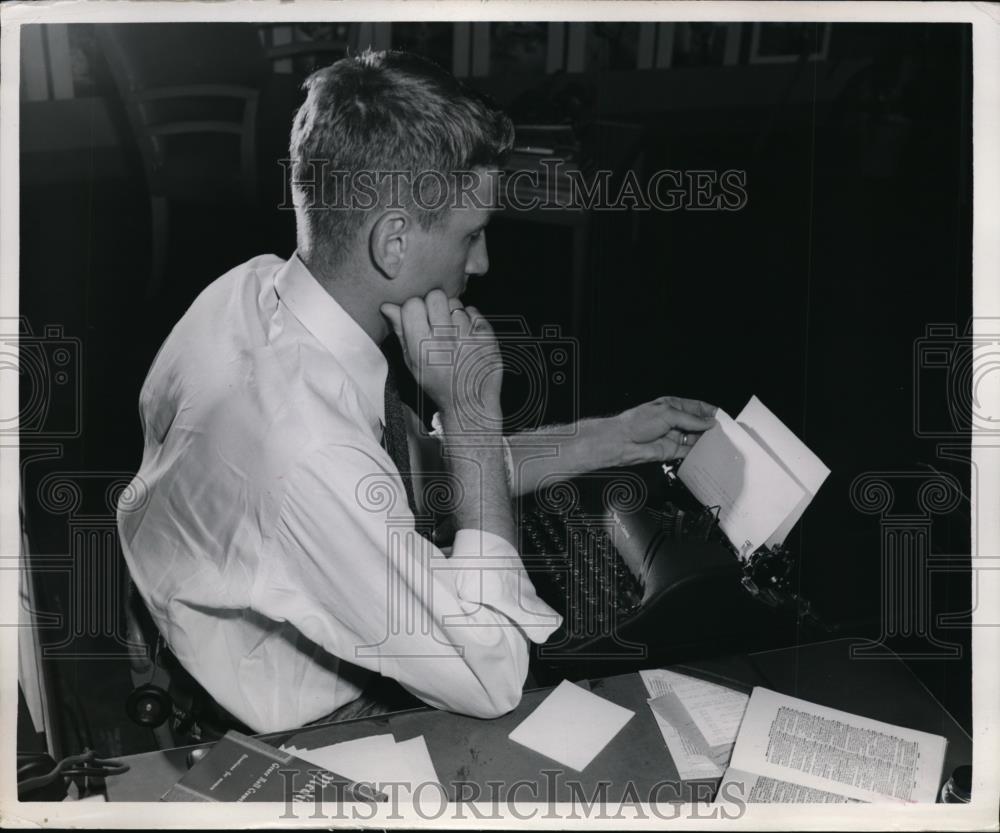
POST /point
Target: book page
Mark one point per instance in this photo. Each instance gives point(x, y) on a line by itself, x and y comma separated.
point(757, 789)
point(728, 468)
point(793, 740)
point(793, 455)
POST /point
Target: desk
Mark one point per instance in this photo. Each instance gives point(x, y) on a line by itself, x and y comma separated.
point(475, 752)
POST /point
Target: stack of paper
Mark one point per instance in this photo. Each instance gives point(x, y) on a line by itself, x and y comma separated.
point(571, 725)
point(699, 721)
point(394, 768)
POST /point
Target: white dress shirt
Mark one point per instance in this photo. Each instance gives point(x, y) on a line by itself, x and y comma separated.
point(268, 531)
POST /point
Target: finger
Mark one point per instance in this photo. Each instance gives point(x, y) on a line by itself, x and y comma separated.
point(395, 317)
point(684, 439)
point(460, 319)
point(692, 406)
point(696, 407)
point(688, 422)
point(438, 309)
point(671, 446)
point(416, 328)
point(454, 303)
point(680, 444)
point(480, 324)
point(394, 314)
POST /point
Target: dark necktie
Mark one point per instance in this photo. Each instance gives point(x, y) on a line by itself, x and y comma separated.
point(434, 526)
point(394, 437)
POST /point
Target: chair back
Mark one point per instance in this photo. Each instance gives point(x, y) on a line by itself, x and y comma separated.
point(190, 91)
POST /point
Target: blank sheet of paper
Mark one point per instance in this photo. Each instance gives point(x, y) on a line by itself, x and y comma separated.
point(398, 769)
point(571, 726)
point(364, 759)
point(415, 763)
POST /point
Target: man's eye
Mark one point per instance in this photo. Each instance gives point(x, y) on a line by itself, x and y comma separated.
point(476, 234)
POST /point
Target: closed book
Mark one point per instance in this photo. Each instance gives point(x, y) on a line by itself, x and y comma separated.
point(241, 768)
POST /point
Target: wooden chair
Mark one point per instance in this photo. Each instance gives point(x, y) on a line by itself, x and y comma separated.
point(192, 95)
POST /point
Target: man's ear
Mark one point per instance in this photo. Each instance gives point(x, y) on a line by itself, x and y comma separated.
point(387, 242)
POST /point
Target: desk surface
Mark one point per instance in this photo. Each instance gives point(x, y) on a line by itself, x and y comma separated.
point(478, 753)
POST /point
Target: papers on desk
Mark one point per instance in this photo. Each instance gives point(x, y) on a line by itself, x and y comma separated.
point(760, 475)
point(692, 756)
point(571, 725)
point(699, 721)
point(378, 760)
point(793, 751)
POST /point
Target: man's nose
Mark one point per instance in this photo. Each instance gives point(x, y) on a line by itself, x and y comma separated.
point(479, 258)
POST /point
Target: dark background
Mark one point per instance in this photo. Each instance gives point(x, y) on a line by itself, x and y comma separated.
point(855, 238)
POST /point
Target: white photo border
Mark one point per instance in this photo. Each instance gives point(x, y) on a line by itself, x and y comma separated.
point(982, 814)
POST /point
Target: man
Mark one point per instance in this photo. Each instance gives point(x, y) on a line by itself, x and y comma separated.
point(274, 541)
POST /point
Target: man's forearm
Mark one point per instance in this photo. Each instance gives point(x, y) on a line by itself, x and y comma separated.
point(477, 464)
point(556, 454)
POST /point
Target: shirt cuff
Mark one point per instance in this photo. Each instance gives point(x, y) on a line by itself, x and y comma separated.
point(489, 571)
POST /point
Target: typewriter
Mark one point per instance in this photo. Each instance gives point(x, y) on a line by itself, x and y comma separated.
point(642, 574)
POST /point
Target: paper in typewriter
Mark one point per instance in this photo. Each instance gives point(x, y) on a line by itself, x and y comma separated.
point(793, 751)
point(790, 453)
point(759, 474)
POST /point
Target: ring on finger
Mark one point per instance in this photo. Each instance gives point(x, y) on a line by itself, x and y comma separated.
point(684, 439)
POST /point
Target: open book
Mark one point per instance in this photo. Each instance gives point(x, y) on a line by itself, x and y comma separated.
point(760, 475)
point(790, 751)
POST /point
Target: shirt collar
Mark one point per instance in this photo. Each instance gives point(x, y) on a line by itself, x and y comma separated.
point(334, 328)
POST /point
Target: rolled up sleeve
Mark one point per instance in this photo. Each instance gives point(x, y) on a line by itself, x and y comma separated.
point(349, 571)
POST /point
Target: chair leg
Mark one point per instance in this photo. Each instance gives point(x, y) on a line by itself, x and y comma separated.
point(159, 215)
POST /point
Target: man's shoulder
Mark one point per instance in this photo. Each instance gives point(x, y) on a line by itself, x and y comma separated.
point(252, 275)
point(223, 311)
